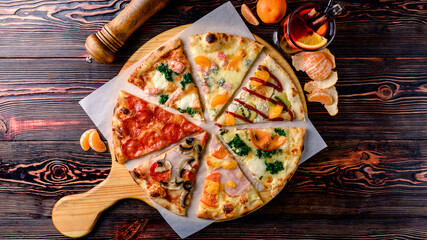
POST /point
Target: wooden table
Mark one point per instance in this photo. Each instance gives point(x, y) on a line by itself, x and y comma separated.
point(371, 182)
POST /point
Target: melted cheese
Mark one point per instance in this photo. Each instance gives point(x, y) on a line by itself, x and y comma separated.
point(211, 187)
point(159, 80)
point(229, 164)
point(231, 184)
point(256, 166)
point(187, 101)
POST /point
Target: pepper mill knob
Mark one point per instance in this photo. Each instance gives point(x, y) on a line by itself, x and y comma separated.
point(104, 45)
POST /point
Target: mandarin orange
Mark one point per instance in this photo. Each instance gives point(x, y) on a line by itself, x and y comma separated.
point(271, 11)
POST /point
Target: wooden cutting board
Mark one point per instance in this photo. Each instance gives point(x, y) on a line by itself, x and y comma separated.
point(76, 215)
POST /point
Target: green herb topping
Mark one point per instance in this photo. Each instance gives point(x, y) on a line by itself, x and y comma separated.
point(163, 98)
point(224, 131)
point(186, 79)
point(280, 132)
point(163, 68)
point(189, 110)
point(239, 147)
point(274, 167)
point(221, 82)
point(267, 154)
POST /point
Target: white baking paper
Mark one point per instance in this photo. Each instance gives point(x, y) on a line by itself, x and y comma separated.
point(99, 106)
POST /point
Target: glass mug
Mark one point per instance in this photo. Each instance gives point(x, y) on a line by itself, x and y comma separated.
point(310, 27)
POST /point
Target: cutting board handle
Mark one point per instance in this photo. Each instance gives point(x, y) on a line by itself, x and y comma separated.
point(104, 45)
point(76, 215)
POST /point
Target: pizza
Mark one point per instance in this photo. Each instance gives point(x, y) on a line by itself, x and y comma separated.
point(227, 193)
point(271, 154)
point(140, 127)
point(222, 62)
point(270, 95)
point(168, 179)
point(166, 74)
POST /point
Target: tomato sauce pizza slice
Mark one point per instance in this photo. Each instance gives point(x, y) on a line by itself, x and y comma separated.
point(140, 127)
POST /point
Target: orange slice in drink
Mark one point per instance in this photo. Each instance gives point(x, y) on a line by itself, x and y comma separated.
point(84, 139)
point(311, 41)
point(248, 15)
point(96, 143)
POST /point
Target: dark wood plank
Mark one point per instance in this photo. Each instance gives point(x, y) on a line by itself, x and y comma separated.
point(29, 218)
point(379, 29)
point(371, 90)
point(351, 178)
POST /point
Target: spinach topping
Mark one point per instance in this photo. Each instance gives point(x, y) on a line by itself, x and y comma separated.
point(280, 132)
point(221, 82)
point(163, 68)
point(224, 131)
point(189, 110)
point(239, 147)
point(274, 167)
point(163, 98)
point(267, 154)
point(186, 79)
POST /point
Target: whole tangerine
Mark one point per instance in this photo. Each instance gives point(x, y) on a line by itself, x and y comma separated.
point(271, 11)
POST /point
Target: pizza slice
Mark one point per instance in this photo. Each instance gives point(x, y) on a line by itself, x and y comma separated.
point(222, 62)
point(140, 127)
point(166, 74)
point(271, 154)
point(227, 193)
point(168, 179)
point(270, 95)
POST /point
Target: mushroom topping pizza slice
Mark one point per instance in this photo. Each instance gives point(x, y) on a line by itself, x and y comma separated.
point(168, 179)
point(271, 154)
point(140, 127)
point(270, 95)
point(222, 62)
point(227, 193)
point(166, 74)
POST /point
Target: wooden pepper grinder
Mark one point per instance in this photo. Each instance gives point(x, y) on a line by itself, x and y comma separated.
point(104, 45)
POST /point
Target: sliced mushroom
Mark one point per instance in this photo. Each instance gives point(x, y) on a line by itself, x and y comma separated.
point(183, 198)
point(163, 165)
point(185, 164)
point(173, 184)
point(186, 146)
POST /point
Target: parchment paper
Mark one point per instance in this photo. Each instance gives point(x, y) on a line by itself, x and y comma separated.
point(99, 106)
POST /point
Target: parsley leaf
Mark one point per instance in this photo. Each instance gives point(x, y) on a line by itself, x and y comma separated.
point(224, 131)
point(239, 147)
point(280, 132)
point(163, 98)
point(274, 167)
point(186, 79)
point(189, 110)
point(163, 68)
point(267, 154)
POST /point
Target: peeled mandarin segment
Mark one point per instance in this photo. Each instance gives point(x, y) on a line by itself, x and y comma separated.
point(265, 140)
point(202, 61)
point(312, 42)
point(233, 64)
point(96, 143)
point(320, 96)
point(219, 100)
point(317, 65)
point(84, 139)
point(230, 120)
point(275, 111)
point(248, 15)
point(261, 75)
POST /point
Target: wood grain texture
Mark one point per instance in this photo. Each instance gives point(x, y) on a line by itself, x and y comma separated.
point(370, 183)
point(379, 28)
point(371, 90)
